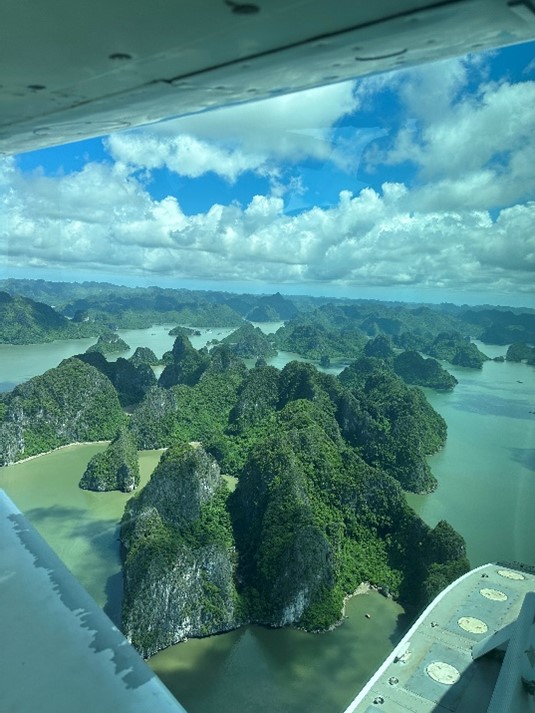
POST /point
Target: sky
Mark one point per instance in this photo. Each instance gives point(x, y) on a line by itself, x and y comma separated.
point(416, 185)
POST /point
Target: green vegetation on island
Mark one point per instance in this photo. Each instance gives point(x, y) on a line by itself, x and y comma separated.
point(25, 321)
point(186, 364)
point(308, 521)
point(180, 559)
point(320, 462)
point(314, 339)
point(416, 370)
point(71, 310)
point(249, 342)
point(109, 343)
point(272, 308)
point(69, 404)
point(393, 425)
point(520, 352)
point(143, 355)
point(153, 423)
point(450, 346)
point(117, 468)
point(183, 331)
point(130, 380)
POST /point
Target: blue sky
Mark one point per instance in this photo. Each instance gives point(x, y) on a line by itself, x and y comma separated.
point(416, 185)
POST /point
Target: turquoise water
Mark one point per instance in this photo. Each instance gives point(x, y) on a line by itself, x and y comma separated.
point(18, 363)
point(486, 471)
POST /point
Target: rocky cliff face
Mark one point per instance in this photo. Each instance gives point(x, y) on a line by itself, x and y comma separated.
point(72, 403)
point(117, 468)
point(187, 366)
point(131, 380)
point(179, 566)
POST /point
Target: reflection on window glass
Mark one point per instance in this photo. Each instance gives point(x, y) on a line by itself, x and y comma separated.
point(273, 356)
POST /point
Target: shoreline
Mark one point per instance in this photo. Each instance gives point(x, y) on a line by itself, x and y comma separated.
point(53, 450)
point(69, 445)
point(363, 588)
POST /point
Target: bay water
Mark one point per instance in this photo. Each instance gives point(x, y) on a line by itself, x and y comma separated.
point(486, 476)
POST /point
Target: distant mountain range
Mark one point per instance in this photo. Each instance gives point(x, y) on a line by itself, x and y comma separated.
point(33, 311)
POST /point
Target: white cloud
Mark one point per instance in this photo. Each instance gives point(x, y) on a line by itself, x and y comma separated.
point(473, 152)
point(249, 137)
point(473, 149)
point(97, 219)
point(182, 154)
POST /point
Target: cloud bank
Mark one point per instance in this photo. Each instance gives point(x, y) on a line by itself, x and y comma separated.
point(460, 217)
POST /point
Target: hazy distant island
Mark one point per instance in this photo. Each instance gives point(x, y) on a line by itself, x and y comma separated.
point(34, 311)
point(519, 351)
point(320, 462)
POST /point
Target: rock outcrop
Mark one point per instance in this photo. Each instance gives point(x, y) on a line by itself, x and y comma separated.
point(117, 468)
point(131, 380)
point(187, 364)
point(143, 355)
point(109, 343)
point(180, 559)
point(71, 403)
point(416, 370)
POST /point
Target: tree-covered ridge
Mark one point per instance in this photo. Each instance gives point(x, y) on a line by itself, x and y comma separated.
point(342, 332)
point(313, 520)
point(141, 308)
point(316, 339)
point(92, 307)
point(109, 343)
point(502, 326)
point(208, 315)
point(308, 521)
point(214, 399)
point(272, 308)
point(451, 347)
point(521, 352)
point(393, 426)
point(117, 468)
point(249, 342)
point(418, 371)
point(25, 321)
point(131, 380)
point(72, 403)
point(413, 368)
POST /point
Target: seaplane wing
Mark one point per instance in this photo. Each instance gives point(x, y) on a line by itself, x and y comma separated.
point(73, 70)
point(60, 653)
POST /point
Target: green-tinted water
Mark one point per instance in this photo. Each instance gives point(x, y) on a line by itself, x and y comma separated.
point(486, 471)
point(249, 669)
point(257, 669)
point(18, 363)
point(81, 526)
point(487, 490)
